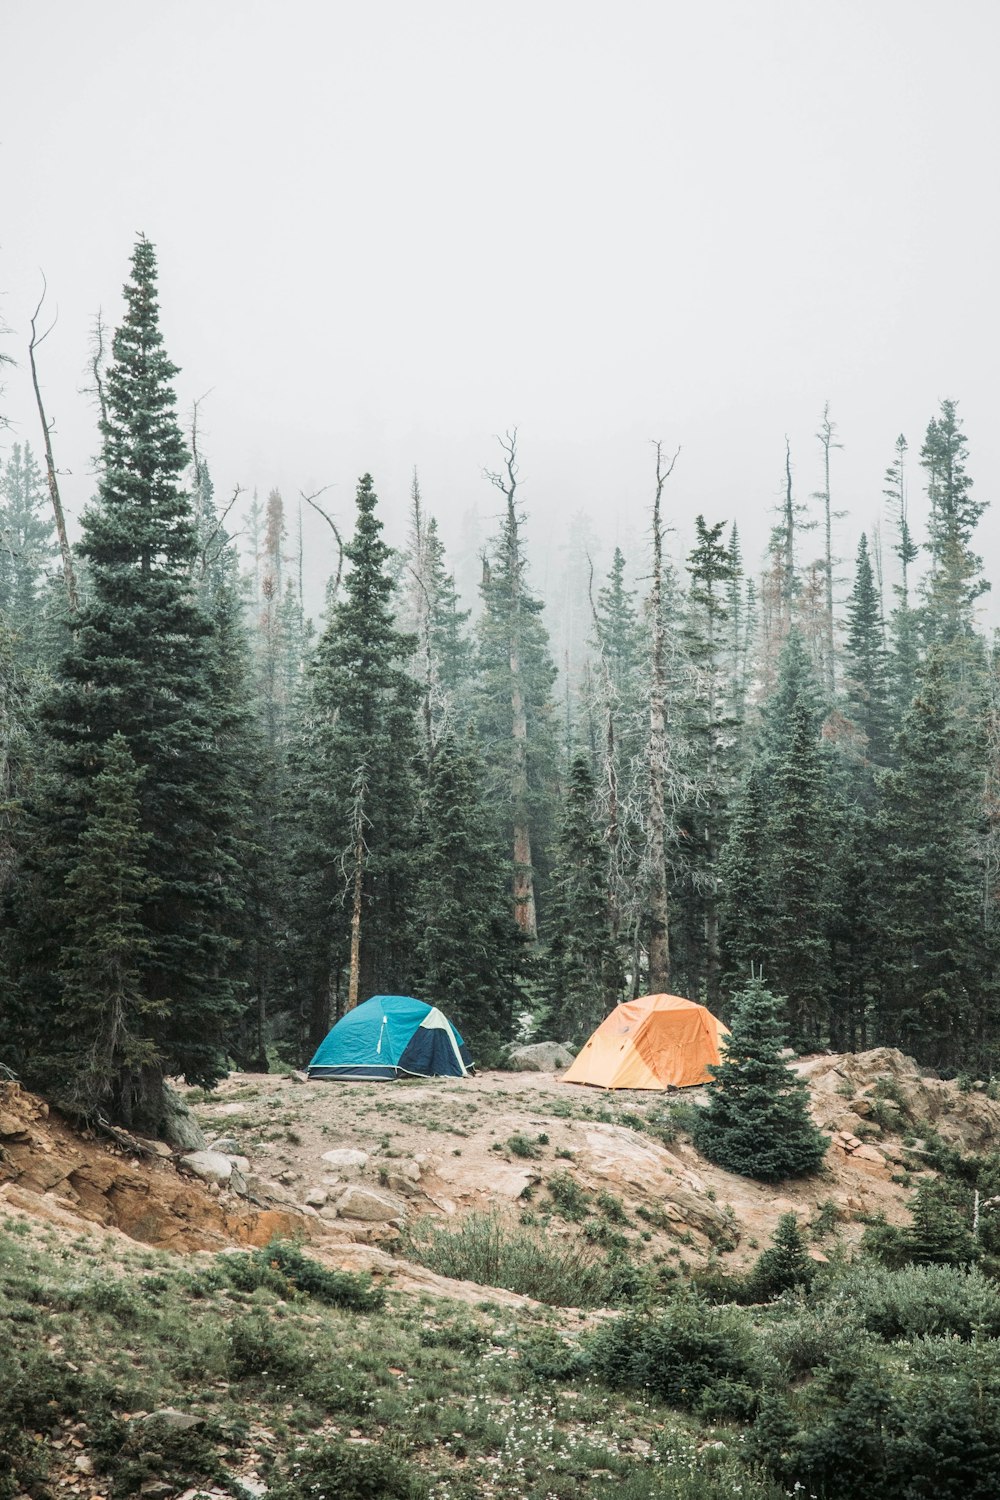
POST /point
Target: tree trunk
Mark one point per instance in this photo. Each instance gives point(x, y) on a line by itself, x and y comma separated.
point(69, 573)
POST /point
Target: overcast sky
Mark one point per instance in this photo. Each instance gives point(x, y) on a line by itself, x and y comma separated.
point(387, 231)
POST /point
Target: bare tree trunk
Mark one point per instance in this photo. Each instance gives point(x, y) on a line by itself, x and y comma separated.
point(69, 573)
point(659, 902)
point(788, 544)
point(827, 440)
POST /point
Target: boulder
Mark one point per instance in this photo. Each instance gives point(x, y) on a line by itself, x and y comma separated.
point(346, 1159)
point(210, 1166)
point(227, 1144)
point(179, 1126)
point(315, 1198)
point(540, 1057)
point(12, 1127)
point(370, 1204)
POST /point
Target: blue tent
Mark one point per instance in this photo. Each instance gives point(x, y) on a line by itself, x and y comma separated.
point(390, 1035)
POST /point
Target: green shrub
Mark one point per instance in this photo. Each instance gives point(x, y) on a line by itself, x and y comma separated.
point(152, 1450)
point(920, 1301)
point(282, 1268)
point(571, 1200)
point(939, 1234)
point(23, 1462)
point(487, 1249)
point(689, 1354)
point(520, 1145)
point(257, 1345)
point(611, 1208)
point(343, 1471)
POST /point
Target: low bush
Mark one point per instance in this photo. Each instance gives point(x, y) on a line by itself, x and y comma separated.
point(283, 1269)
point(570, 1199)
point(256, 1345)
point(520, 1145)
point(920, 1302)
point(690, 1355)
point(342, 1471)
point(487, 1249)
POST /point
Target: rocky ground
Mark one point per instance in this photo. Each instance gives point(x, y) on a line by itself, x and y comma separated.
point(351, 1165)
point(362, 1170)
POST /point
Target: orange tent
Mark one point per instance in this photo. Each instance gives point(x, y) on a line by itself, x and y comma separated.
point(650, 1043)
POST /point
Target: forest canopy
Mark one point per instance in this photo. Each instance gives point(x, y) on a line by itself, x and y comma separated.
point(222, 823)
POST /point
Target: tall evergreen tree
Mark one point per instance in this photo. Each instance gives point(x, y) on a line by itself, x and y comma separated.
point(955, 580)
point(709, 735)
point(866, 668)
point(105, 1023)
point(469, 948)
point(937, 987)
point(905, 633)
point(26, 547)
point(513, 697)
point(776, 908)
point(619, 692)
point(582, 973)
point(359, 730)
point(799, 843)
point(141, 666)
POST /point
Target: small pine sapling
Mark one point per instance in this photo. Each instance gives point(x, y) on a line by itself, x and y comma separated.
point(757, 1121)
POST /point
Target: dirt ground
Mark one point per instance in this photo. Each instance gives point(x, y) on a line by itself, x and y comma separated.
point(353, 1166)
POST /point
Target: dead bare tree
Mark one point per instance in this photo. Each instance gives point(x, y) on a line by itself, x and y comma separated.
point(96, 366)
point(828, 441)
point(69, 573)
point(659, 901)
point(311, 500)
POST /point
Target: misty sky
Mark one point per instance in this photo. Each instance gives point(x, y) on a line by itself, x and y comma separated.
point(387, 231)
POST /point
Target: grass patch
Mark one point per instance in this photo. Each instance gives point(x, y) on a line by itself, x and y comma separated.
point(487, 1249)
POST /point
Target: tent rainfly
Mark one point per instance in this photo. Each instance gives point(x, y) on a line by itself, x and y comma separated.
point(389, 1036)
point(656, 1042)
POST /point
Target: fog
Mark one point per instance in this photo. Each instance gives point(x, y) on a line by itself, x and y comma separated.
point(388, 232)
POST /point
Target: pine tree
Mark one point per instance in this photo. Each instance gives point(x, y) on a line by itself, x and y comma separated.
point(618, 695)
point(513, 704)
point(359, 723)
point(709, 734)
point(775, 906)
point(905, 633)
point(937, 985)
point(784, 1265)
point(469, 948)
point(581, 970)
point(26, 547)
point(954, 582)
point(745, 914)
point(866, 668)
point(140, 665)
point(106, 1024)
point(799, 838)
point(757, 1120)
